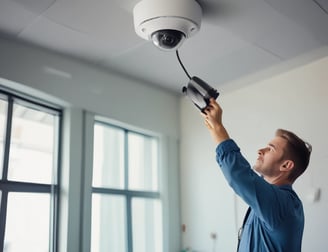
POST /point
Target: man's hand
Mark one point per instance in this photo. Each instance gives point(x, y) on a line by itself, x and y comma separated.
point(213, 121)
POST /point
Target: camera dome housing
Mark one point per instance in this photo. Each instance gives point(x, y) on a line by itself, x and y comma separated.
point(167, 22)
point(168, 39)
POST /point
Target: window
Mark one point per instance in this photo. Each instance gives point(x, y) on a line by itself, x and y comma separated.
point(29, 140)
point(126, 204)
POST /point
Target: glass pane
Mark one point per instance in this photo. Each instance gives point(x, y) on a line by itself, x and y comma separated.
point(33, 145)
point(108, 231)
point(147, 225)
point(143, 162)
point(108, 157)
point(3, 119)
point(28, 222)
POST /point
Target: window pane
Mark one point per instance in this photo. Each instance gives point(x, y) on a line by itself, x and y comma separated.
point(3, 119)
point(108, 167)
point(28, 222)
point(147, 225)
point(143, 162)
point(33, 145)
point(108, 223)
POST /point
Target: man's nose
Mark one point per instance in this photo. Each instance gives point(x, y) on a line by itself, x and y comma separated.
point(261, 151)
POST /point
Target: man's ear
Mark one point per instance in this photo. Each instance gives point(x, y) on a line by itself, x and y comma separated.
point(287, 165)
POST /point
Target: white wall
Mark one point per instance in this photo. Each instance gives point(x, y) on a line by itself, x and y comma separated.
point(109, 94)
point(66, 82)
point(296, 100)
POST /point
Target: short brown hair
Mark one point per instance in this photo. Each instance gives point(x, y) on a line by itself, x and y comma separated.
point(297, 150)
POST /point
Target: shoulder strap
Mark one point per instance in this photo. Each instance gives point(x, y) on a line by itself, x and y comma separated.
point(242, 227)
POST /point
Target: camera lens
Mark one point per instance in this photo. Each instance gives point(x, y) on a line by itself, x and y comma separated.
point(168, 39)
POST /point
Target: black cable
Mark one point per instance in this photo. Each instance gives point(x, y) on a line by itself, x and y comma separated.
point(184, 69)
point(320, 6)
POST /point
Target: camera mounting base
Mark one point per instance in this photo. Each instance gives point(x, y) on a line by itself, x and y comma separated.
point(151, 16)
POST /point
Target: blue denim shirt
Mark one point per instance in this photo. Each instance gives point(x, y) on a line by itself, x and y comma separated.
point(276, 220)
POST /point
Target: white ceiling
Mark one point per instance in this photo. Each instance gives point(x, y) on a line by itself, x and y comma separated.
point(237, 37)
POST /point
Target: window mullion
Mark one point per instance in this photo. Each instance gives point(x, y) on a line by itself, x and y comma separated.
point(128, 197)
point(4, 192)
point(14, 186)
point(126, 160)
point(129, 223)
point(8, 138)
point(3, 214)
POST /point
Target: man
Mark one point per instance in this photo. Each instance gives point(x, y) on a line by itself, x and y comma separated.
point(275, 218)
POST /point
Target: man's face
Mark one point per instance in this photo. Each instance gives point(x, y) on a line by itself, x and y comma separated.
point(270, 158)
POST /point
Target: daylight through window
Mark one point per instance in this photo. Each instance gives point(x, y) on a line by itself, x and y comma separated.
point(126, 203)
point(29, 141)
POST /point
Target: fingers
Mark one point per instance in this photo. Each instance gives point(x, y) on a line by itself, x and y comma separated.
point(214, 104)
point(208, 124)
point(203, 114)
point(211, 113)
point(210, 107)
point(206, 117)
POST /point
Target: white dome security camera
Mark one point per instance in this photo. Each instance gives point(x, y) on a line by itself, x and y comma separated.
point(167, 22)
